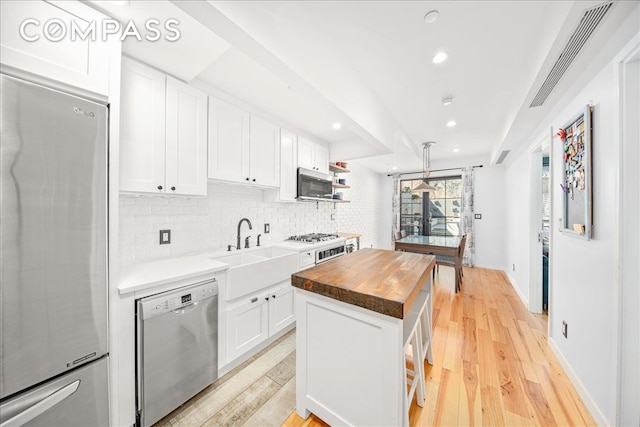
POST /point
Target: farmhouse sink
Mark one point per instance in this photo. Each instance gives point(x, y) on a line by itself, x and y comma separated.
point(270, 252)
point(237, 260)
point(250, 272)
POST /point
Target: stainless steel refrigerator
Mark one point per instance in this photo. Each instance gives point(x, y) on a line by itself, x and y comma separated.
point(53, 258)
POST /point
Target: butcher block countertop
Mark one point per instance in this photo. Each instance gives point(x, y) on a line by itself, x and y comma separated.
point(379, 280)
point(349, 235)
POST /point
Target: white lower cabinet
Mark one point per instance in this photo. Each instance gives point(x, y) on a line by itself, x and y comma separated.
point(247, 325)
point(256, 318)
point(281, 309)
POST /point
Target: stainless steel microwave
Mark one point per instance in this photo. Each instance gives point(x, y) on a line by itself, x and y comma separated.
point(314, 185)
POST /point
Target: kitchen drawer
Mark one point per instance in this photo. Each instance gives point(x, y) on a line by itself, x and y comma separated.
point(307, 259)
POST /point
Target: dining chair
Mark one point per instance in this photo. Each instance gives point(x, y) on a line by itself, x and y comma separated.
point(403, 233)
point(450, 261)
point(397, 235)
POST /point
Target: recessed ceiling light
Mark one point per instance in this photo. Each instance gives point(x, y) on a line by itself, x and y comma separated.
point(440, 57)
point(394, 167)
point(336, 125)
point(451, 123)
point(447, 101)
point(431, 17)
point(455, 150)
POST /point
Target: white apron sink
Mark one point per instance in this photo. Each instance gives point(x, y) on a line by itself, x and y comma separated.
point(250, 272)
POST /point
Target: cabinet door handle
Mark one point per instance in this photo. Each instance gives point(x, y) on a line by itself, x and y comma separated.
point(159, 187)
point(254, 299)
point(266, 299)
point(254, 180)
point(274, 297)
point(173, 188)
point(247, 178)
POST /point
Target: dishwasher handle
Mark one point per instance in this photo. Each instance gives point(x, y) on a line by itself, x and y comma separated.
point(185, 309)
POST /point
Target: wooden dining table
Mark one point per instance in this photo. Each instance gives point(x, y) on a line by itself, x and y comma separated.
point(434, 245)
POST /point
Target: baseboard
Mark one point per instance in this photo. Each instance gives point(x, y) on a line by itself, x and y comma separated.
point(488, 267)
point(593, 409)
point(514, 285)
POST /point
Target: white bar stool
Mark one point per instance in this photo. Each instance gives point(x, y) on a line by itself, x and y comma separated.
point(412, 331)
point(425, 323)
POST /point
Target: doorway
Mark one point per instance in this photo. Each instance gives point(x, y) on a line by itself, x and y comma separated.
point(540, 221)
point(544, 227)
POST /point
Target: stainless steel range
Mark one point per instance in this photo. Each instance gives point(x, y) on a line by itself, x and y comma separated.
point(315, 248)
point(314, 237)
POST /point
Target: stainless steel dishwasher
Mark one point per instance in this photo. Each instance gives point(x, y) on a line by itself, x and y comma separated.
point(176, 348)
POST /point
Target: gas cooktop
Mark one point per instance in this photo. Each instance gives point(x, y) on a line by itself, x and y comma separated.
point(313, 237)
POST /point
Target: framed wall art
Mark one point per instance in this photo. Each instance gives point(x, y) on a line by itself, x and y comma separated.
point(576, 183)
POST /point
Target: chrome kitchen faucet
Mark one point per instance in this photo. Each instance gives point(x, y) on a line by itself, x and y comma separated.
point(239, 225)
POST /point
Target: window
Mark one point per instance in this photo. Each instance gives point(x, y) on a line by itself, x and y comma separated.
point(444, 207)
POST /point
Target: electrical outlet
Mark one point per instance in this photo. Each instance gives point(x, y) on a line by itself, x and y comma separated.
point(564, 328)
point(267, 229)
point(333, 217)
point(165, 237)
point(477, 216)
point(514, 267)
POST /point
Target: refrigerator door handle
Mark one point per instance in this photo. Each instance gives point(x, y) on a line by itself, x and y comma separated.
point(44, 405)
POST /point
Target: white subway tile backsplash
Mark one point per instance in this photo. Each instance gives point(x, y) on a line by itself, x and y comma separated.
point(210, 223)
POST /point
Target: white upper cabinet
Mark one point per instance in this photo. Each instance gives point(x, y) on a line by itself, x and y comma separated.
point(186, 139)
point(264, 153)
point(288, 165)
point(28, 42)
point(228, 142)
point(242, 148)
point(163, 128)
point(312, 156)
point(142, 128)
point(322, 158)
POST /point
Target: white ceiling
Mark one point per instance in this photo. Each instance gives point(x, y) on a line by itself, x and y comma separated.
point(368, 65)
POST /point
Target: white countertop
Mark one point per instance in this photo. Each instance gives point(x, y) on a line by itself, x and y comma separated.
point(155, 274)
point(152, 274)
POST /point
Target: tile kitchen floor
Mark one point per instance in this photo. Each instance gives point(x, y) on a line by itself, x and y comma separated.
point(260, 392)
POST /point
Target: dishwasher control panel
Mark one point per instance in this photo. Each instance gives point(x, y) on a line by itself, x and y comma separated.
point(178, 298)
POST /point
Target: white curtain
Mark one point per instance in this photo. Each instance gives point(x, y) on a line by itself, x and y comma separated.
point(467, 215)
point(396, 206)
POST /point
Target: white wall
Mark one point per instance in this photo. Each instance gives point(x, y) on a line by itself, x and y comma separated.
point(629, 394)
point(517, 224)
point(582, 286)
point(489, 200)
point(210, 223)
point(581, 289)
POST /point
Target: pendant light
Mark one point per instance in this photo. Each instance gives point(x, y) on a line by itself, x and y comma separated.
point(423, 186)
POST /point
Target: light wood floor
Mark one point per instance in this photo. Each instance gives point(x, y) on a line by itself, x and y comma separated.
point(261, 392)
point(492, 364)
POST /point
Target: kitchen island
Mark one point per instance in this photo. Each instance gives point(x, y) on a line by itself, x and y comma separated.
point(349, 342)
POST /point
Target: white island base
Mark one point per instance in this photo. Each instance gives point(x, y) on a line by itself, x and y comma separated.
point(349, 363)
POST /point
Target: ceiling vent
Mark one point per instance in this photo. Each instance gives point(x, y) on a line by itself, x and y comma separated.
point(578, 39)
point(503, 155)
